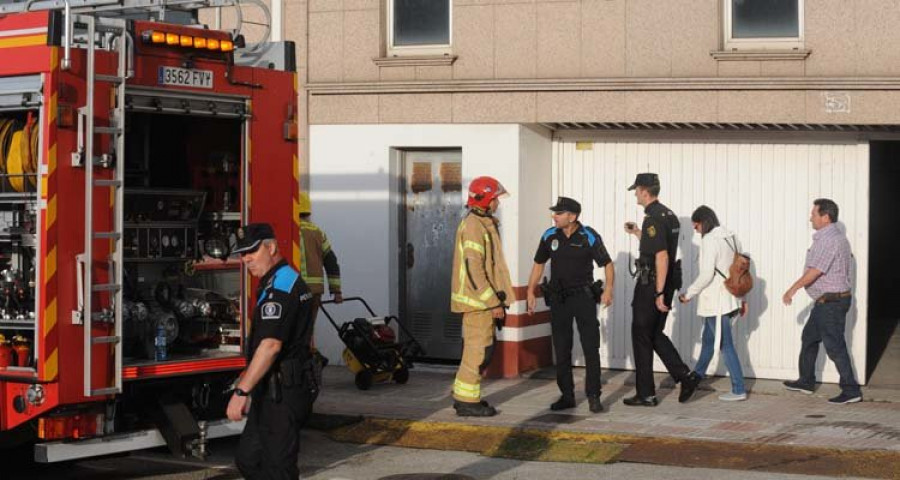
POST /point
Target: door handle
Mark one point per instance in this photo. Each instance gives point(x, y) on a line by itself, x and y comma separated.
point(78, 315)
point(410, 255)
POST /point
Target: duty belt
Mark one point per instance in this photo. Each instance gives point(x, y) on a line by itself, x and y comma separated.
point(644, 271)
point(287, 373)
point(572, 291)
point(553, 294)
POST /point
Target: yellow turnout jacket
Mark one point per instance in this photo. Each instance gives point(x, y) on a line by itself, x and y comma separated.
point(479, 267)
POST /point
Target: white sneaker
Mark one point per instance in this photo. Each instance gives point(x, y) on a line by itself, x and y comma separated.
point(733, 397)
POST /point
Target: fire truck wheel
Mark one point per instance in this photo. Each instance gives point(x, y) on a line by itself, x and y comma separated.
point(401, 376)
point(364, 380)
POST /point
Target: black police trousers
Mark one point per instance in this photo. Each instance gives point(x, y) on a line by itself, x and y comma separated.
point(647, 337)
point(271, 440)
point(583, 308)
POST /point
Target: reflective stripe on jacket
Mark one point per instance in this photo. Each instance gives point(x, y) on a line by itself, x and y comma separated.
point(479, 267)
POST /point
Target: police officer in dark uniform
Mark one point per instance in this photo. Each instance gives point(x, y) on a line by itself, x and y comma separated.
point(278, 378)
point(658, 277)
point(573, 248)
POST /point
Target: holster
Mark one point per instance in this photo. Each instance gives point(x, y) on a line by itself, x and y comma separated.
point(275, 383)
point(545, 291)
point(291, 372)
point(597, 290)
point(551, 292)
point(303, 374)
point(646, 274)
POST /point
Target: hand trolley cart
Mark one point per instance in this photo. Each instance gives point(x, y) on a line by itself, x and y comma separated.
point(372, 350)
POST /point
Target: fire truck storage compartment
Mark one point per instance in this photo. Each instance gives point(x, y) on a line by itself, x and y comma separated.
point(182, 205)
point(20, 101)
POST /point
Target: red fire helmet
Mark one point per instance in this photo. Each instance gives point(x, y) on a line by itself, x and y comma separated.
point(483, 190)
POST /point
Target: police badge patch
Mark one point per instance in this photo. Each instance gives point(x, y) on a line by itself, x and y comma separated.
point(651, 230)
point(271, 311)
point(554, 245)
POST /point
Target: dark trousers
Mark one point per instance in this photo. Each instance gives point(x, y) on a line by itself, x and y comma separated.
point(313, 313)
point(583, 309)
point(826, 325)
point(647, 336)
point(271, 439)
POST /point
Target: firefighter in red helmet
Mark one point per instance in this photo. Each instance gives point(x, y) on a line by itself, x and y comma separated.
point(481, 291)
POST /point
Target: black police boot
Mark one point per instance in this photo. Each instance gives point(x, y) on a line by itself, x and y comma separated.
point(639, 401)
point(594, 403)
point(481, 409)
point(564, 402)
point(688, 387)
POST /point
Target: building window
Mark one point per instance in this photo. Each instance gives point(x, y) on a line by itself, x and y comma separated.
point(419, 27)
point(764, 24)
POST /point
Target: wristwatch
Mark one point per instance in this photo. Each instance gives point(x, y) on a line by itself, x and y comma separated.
point(659, 294)
point(241, 393)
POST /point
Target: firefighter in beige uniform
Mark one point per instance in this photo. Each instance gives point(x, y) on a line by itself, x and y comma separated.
point(481, 291)
point(317, 259)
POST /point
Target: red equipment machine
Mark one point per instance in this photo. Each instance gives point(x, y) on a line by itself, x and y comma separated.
point(129, 151)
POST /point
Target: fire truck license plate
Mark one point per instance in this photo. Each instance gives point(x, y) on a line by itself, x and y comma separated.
point(183, 77)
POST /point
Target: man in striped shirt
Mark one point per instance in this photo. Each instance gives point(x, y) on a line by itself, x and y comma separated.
point(827, 281)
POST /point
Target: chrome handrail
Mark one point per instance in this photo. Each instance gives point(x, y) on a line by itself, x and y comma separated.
point(67, 48)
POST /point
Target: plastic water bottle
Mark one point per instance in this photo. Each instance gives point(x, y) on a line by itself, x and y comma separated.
point(160, 343)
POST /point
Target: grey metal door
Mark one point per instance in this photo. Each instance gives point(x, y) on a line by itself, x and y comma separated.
point(433, 208)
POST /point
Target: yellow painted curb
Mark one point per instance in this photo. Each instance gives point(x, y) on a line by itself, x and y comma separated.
point(504, 442)
point(577, 447)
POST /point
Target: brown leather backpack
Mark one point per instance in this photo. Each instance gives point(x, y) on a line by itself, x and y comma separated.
point(739, 281)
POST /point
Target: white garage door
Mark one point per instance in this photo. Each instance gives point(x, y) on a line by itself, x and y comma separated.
point(760, 189)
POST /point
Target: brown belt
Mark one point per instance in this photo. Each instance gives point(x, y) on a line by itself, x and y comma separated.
point(833, 296)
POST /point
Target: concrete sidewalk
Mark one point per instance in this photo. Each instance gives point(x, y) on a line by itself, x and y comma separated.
point(771, 416)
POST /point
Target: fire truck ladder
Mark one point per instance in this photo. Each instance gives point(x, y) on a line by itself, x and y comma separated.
point(101, 24)
point(111, 35)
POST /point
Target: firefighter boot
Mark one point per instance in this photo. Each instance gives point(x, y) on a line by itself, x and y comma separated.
point(469, 409)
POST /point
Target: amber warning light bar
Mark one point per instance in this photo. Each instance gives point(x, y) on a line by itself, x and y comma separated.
point(155, 37)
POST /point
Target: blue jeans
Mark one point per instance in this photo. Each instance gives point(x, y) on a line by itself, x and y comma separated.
point(826, 325)
point(732, 363)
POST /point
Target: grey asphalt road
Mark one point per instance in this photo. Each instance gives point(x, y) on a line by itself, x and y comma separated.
point(323, 459)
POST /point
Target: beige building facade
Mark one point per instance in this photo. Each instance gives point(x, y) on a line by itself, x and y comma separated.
point(549, 61)
point(754, 107)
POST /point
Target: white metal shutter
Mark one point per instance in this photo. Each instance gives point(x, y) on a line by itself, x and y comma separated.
point(19, 93)
point(763, 191)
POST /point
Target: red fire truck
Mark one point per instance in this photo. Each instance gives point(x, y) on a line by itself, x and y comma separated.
point(130, 151)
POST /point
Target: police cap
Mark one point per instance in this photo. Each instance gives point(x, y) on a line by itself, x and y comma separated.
point(645, 180)
point(250, 237)
point(566, 204)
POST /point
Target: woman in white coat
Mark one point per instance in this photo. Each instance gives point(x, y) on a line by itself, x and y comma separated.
point(717, 247)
